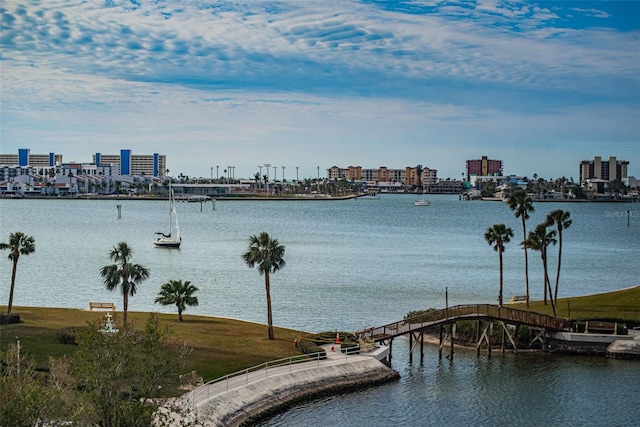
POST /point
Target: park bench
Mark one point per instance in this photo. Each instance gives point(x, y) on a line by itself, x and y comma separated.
point(518, 298)
point(102, 306)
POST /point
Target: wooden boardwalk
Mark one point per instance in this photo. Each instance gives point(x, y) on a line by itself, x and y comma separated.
point(415, 326)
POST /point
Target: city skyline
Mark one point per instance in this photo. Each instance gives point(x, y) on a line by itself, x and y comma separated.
point(540, 86)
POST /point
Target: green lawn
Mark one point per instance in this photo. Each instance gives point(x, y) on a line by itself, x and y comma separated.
point(620, 306)
point(222, 346)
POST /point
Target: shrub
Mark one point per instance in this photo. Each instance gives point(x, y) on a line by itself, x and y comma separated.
point(68, 335)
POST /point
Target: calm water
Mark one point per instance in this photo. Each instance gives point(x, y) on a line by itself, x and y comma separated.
point(353, 264)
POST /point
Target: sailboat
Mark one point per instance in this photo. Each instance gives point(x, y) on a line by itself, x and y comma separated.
point(168, 240)
point(421, 202)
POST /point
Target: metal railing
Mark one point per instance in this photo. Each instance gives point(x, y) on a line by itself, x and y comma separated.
point(266, 370)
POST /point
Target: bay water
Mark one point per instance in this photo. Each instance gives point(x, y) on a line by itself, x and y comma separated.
point(353, 264)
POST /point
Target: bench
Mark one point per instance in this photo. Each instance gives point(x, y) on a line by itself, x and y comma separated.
point(102, 306)
point(518, 298)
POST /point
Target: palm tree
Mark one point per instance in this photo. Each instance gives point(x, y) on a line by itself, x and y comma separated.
point(178, 293)
point(123, 274)
point(561, 219)
point(19, 244)
point(498, 235)
point(521, 204)
point(267, 253)
point(538, 240)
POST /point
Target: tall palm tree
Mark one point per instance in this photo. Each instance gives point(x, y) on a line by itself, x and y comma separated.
point(179, 293)
point(19, 244)
point(498, 235)
point(521, 204)
point(267, 253)
point(538, 240)
point(123, 274)
point(561, 219)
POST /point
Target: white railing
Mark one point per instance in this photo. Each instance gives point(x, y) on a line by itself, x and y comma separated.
point(276, 367)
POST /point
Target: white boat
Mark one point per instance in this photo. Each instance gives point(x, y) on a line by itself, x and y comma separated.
point(421, 202)
point(168, 240)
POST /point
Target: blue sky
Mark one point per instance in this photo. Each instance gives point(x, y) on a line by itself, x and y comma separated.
point(304, 84)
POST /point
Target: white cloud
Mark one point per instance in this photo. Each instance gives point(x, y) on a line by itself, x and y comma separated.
point(364, 83)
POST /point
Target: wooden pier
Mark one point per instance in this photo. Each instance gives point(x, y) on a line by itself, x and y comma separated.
point(486, 315)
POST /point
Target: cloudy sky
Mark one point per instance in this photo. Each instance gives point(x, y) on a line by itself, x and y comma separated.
point(312, 84)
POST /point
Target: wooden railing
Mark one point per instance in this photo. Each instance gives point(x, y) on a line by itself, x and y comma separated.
point(461, 312)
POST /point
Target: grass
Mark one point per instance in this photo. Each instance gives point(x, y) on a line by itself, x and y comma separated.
point(618, 306)
point(220, 346)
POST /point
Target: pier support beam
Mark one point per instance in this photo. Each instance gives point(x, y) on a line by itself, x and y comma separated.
point(416, 335)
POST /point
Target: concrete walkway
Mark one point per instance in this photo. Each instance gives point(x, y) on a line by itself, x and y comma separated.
point(256, 394)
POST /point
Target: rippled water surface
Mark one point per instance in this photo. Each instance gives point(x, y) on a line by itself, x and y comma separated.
point(354, 264)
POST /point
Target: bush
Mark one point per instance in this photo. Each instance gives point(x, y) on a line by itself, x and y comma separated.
point(68, 335)
point(308, 346)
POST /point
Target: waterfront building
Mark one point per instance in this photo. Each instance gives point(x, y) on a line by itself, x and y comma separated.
point(407, 176)
point(611, 170)
point(25, 158)
point(127, 163)
point(484, 167)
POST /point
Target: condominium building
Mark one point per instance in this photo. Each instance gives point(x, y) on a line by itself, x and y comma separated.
point(25, 158)
point(484, 167)
point(611, 170)
point(406, 176)
point(127, 163)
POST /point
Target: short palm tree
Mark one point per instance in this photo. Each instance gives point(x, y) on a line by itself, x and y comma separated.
point(538, 240)
point(561, 219)
point(179, 293)
point(521, 204)
point(498, 235)
point(123, 274)
point(267, 253)
point(19, 244)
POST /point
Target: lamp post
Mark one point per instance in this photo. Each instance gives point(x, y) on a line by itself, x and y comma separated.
point(217, 174)
point(283, 173)
point(211, 172)
point(297, 175)
point(275, 173)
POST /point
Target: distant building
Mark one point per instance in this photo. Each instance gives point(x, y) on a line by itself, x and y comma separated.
point(127, 163)
point(25, 158)
point(483, 167)
point(407, 176)
point(611, 170)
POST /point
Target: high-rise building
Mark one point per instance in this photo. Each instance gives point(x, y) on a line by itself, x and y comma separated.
point(25, 158)
point(484, 167)
point(611, 170)
point(127, 163)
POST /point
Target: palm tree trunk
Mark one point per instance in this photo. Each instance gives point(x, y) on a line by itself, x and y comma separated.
point(526, 258)
point(547, 283)
point(267, 285)
point(544, 277)
point(125, 306)
point(13, 284)
point(500, 295)
point(559, 261)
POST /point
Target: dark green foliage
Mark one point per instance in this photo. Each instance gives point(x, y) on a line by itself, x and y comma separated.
point(415, 313)
point(67, 335)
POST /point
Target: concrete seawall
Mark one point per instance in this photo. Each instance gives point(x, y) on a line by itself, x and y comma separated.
point(256, 401)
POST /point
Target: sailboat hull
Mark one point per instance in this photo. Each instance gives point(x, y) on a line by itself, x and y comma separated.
point(167, 243)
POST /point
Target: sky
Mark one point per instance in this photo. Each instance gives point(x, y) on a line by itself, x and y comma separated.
point(315, 84)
